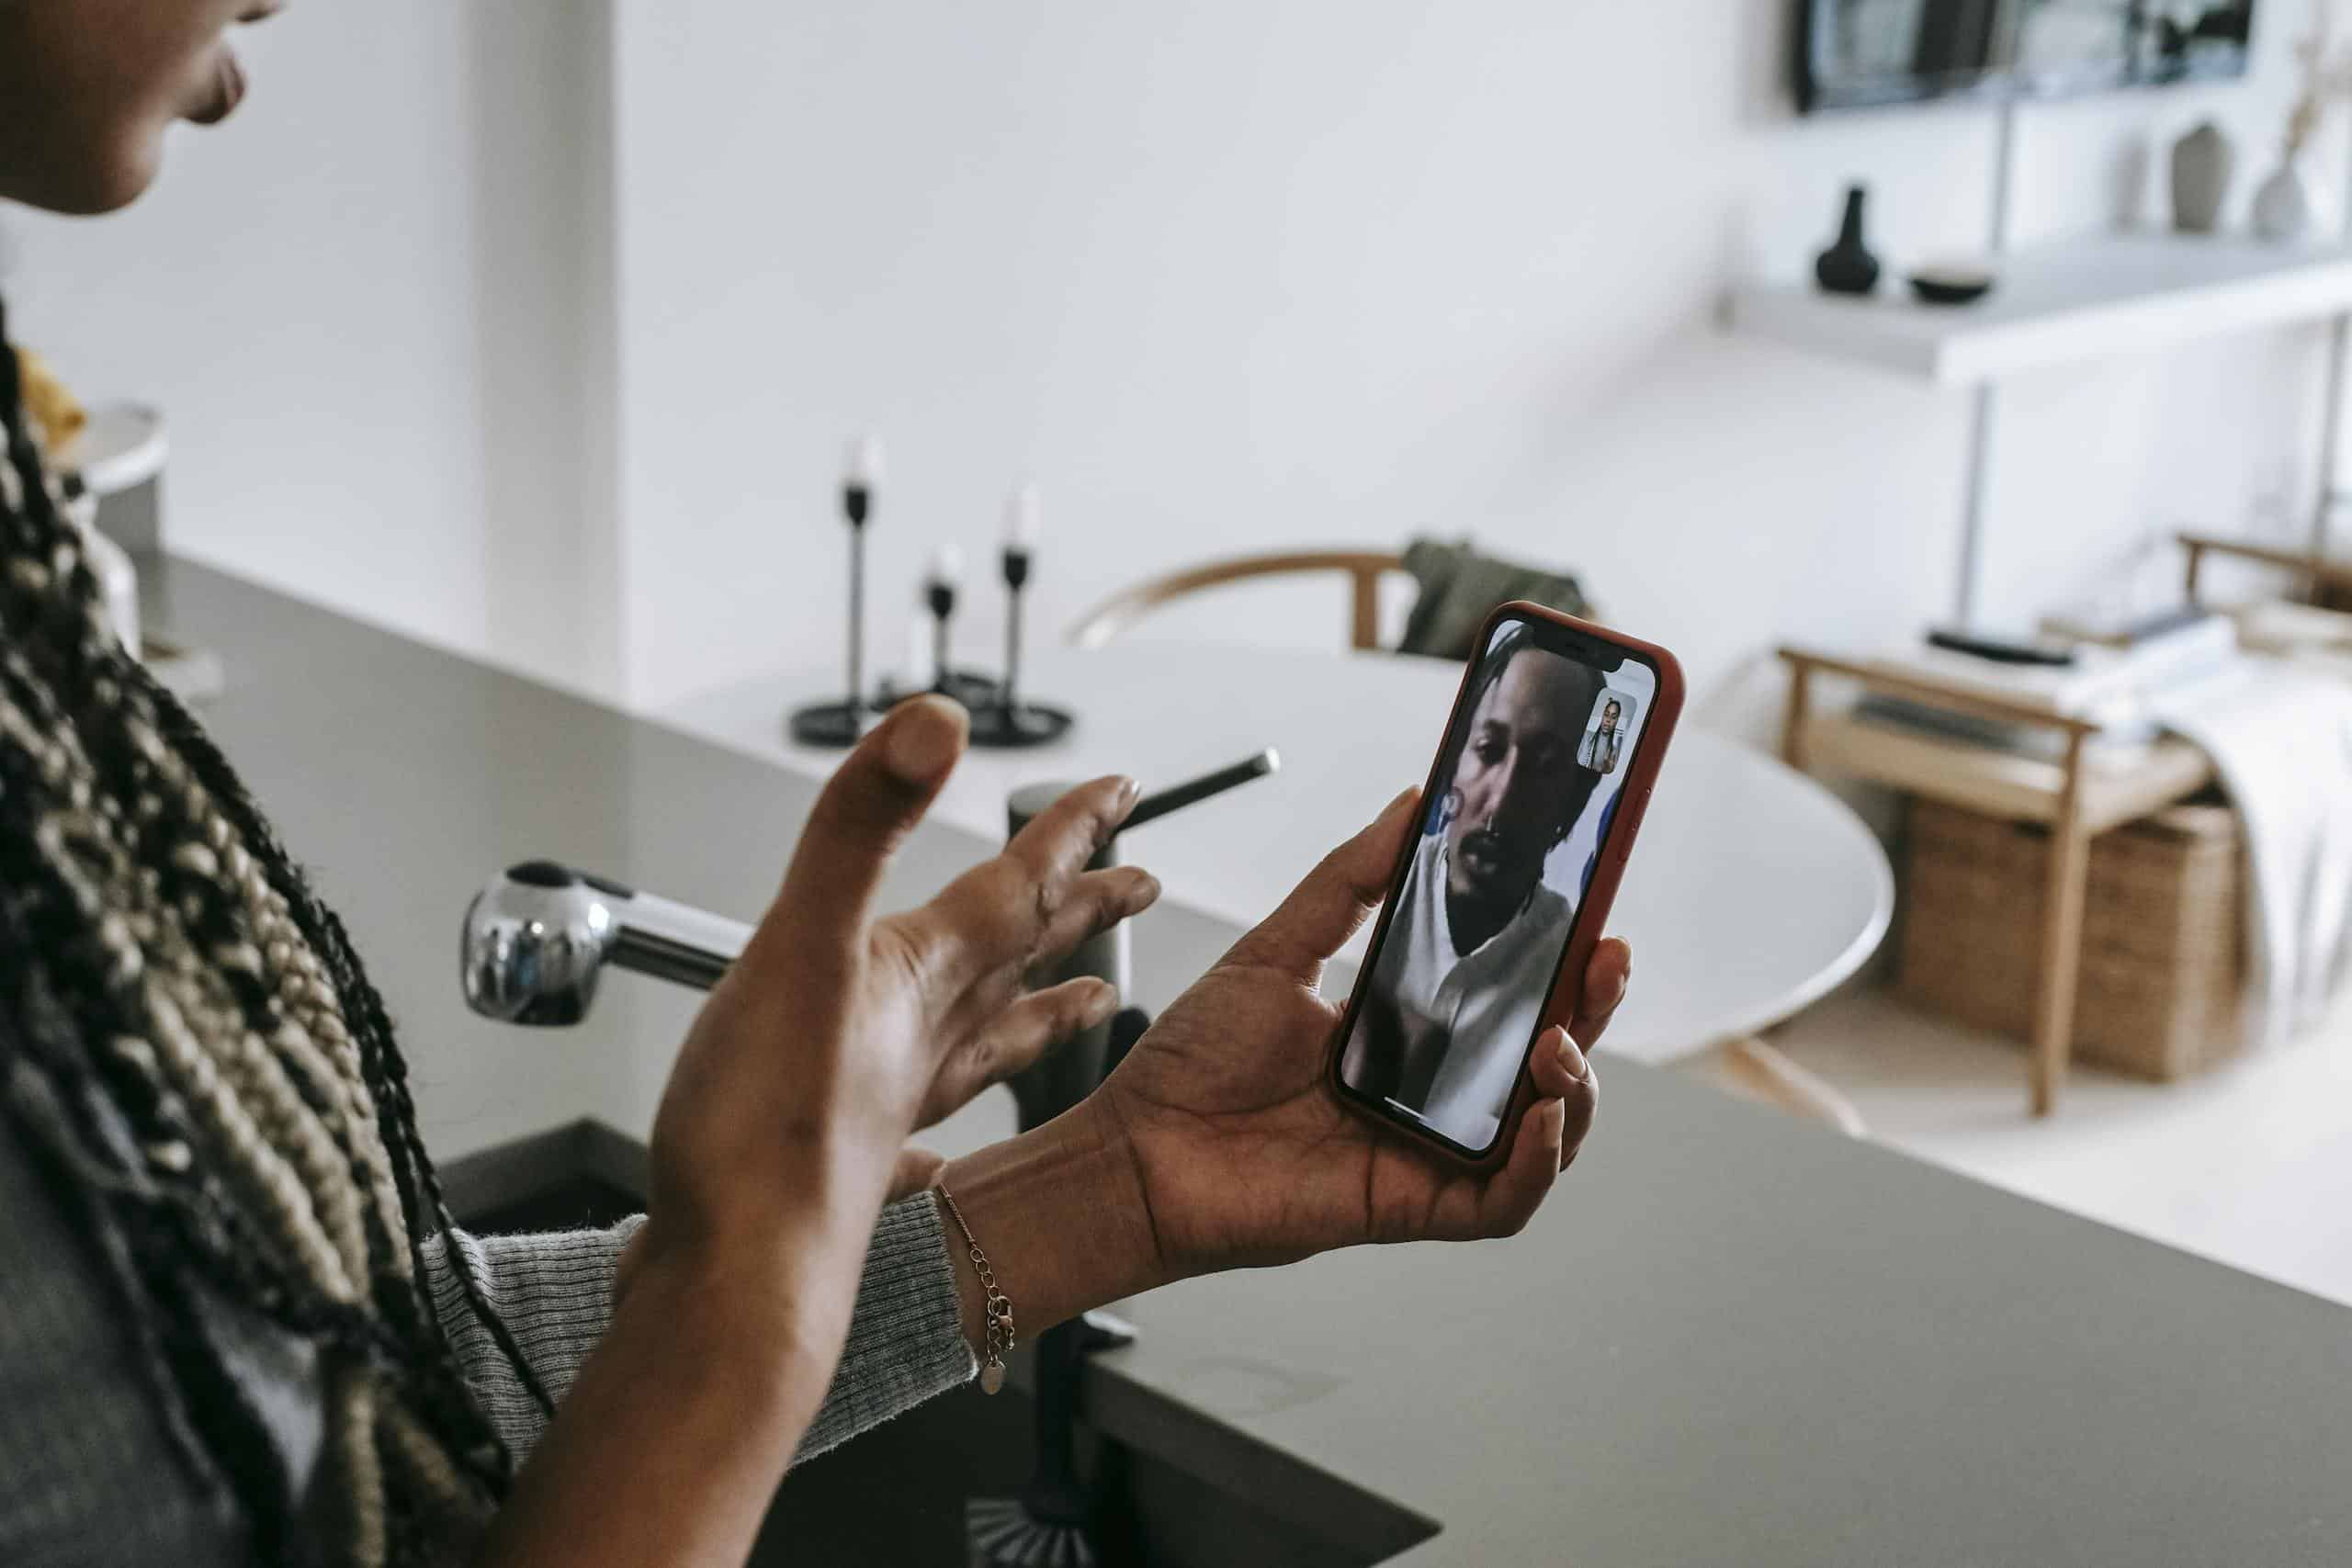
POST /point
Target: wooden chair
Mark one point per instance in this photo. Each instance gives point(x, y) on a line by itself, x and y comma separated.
point(2329, 580)
point(1363, 569)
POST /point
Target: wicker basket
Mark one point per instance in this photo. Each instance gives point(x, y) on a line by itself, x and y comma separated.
point(2162, 967)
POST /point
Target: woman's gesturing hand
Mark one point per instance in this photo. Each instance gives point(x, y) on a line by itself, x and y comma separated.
point(831, 1037)
point(836, 1033)
point(1242, 1154)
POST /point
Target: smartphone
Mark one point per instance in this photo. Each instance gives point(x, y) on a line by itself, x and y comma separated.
point(1527, 821)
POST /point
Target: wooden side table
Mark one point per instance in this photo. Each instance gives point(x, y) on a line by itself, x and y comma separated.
point(2075, 798)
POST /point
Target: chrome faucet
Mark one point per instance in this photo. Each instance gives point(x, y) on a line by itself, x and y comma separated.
point(537, 939)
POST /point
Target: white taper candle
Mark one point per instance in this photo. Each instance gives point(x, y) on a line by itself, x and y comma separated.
point(1025, 517)
point(861, 467)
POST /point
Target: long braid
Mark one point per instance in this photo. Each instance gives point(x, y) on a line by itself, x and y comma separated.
point(360, 1002)
point(203, 1070)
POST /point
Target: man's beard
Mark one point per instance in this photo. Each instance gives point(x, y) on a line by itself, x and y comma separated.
point(1492, 860)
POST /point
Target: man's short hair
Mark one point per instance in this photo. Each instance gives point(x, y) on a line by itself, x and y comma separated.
point(1516, 638)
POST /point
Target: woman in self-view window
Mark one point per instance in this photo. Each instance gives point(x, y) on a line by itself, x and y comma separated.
point(1607, 741)
point(236, 1324)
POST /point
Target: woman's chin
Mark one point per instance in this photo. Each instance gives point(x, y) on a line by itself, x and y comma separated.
point(218, 88)
point(93, 182)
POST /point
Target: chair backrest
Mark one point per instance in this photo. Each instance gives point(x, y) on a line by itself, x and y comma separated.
point(2326, 578)
point(1364, 570)
point(1460, 588)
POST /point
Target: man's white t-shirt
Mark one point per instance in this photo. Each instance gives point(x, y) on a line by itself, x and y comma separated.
point(1488, 1000)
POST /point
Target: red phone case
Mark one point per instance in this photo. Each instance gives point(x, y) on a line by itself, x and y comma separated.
point(1592, 913)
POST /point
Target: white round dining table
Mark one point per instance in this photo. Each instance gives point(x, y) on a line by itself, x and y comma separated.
point(1752, 892)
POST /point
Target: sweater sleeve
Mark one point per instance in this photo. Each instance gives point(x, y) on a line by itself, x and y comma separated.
point(555, 1293)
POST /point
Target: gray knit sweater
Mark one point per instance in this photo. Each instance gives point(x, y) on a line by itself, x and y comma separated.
point(88, 1477)
point(905, 1339)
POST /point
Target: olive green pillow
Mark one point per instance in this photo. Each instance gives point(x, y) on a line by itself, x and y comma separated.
point(1460, 588)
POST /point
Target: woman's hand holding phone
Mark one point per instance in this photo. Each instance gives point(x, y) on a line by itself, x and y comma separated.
point(1220, 1144)
point(1243, 1155)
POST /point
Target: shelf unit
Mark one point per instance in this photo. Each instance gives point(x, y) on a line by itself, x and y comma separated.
point(2065, 304)
point(2062, 304)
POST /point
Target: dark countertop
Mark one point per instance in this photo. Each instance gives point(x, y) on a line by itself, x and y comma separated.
point(1730, 1338)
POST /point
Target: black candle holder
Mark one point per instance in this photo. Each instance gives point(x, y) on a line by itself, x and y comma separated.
point(971, 688)
point(1001, 718)
point(841, 723)
point(1005, 722)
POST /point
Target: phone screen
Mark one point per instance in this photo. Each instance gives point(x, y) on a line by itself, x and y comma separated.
point(1516, 820)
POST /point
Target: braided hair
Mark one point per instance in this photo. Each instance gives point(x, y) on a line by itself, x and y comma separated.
point(203, 1074)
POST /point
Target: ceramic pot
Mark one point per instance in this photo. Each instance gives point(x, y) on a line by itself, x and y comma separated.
point(1847, 266)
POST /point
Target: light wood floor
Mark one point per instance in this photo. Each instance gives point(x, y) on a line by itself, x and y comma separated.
point(2250, 1165)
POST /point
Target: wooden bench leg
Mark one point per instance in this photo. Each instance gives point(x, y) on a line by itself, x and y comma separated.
point(2062, 940)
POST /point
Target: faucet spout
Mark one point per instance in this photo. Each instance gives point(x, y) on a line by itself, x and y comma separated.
point(538, 939)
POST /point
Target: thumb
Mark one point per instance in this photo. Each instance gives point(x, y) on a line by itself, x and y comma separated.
point(1324, 910)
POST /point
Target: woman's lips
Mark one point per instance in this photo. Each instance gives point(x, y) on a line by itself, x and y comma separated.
point(221, 92)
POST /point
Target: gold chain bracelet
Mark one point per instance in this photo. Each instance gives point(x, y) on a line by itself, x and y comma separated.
point(996, 1307)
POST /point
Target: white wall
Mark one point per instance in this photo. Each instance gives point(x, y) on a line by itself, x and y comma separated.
point(536, 327)
point(1230, 275)
point(376, 309)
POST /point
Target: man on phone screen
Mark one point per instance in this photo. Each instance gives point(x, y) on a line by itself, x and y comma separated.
point(1469, 960)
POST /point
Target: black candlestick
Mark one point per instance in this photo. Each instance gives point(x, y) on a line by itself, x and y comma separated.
point(1008, 723)
point(1016, 577)
point(841, 723)
point(857, 502)
point(941, 594)
point(938, 594)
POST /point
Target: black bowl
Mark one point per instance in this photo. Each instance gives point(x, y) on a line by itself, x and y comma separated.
point(1950, 288)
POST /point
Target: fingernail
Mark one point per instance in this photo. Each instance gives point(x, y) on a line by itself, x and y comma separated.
point(1129, 792)
point(1146, 890)
point(1106, 1002)
point(925, 736)
point(1573, 1059)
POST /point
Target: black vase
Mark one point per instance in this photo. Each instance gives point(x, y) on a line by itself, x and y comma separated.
point(1847, 266)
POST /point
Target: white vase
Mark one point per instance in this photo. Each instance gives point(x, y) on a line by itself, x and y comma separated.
point(2282, 207)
